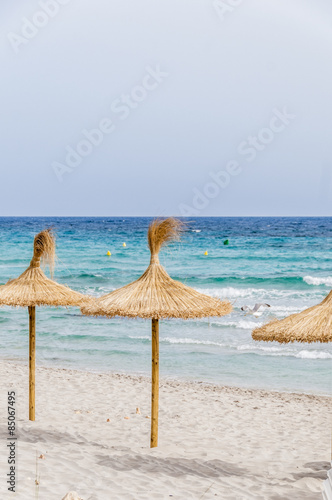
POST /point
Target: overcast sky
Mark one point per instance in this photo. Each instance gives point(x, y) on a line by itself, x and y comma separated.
point(197, 107)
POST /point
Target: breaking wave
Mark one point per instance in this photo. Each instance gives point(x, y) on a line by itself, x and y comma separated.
point(311, 280)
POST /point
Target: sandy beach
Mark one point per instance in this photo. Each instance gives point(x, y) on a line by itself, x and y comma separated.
point(214, 442)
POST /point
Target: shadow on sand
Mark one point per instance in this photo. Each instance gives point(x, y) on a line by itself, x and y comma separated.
point(175, 467)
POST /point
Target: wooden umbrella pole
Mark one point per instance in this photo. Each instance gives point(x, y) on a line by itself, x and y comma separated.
point(155, 383)
point(32, 361)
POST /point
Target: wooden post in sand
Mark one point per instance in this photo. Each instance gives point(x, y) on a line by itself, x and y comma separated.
point(155, 383)
point(32, 360)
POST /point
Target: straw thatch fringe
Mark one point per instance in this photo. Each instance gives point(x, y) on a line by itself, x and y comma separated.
point(155, 295)
point(33, 288)
point(161, 232)
point(312, 325)
point(44, 250)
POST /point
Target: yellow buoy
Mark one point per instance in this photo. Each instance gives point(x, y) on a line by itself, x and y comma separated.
point(206, 253)
point(109, 253)
point(124, 245)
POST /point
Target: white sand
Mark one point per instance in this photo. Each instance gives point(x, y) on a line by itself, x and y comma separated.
point(214, 442)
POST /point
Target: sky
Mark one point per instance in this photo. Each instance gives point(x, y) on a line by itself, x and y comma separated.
point(166, 107)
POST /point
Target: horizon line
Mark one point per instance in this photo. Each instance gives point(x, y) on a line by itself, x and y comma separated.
point(165, 216)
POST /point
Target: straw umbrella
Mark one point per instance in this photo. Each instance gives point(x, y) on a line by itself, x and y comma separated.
point(33, 289)
point(312, 325)
point(156, 296)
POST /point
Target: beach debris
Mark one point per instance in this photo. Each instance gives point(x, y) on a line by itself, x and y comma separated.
point(206, 253)
point(256, 311)
point(72, 495)
point(42, 457)
point(138, 411)
point(226, 242)
point(108, 253)
point(108, 420)
point(78, 411)
point(126, 418)
point(124, 245)
point(37, 477)
point(147, 416)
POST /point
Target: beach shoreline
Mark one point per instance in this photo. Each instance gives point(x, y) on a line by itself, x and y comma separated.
point(214, 441)
point(144, 377)
point(178, 379)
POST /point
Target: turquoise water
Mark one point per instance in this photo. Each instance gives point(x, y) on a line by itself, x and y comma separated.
point(286, 262)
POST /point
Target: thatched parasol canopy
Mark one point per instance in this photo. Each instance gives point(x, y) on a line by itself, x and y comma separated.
point(33, 289)
point(312, 325)
point(155, 295)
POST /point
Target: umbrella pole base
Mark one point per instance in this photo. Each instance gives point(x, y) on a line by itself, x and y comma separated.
point(155, 384)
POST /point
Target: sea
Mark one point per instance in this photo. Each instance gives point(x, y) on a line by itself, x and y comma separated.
point(283, 262)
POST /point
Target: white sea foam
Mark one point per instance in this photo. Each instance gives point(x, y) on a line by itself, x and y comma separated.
point(313, 355)
point(286, 309)
point(253, 293)
point(96, 291)
point(247, 348)
point(251, 347)
point(173, 340)
point(243, 324)
point(285, 351)
point(311, 280)
point(232, 293)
